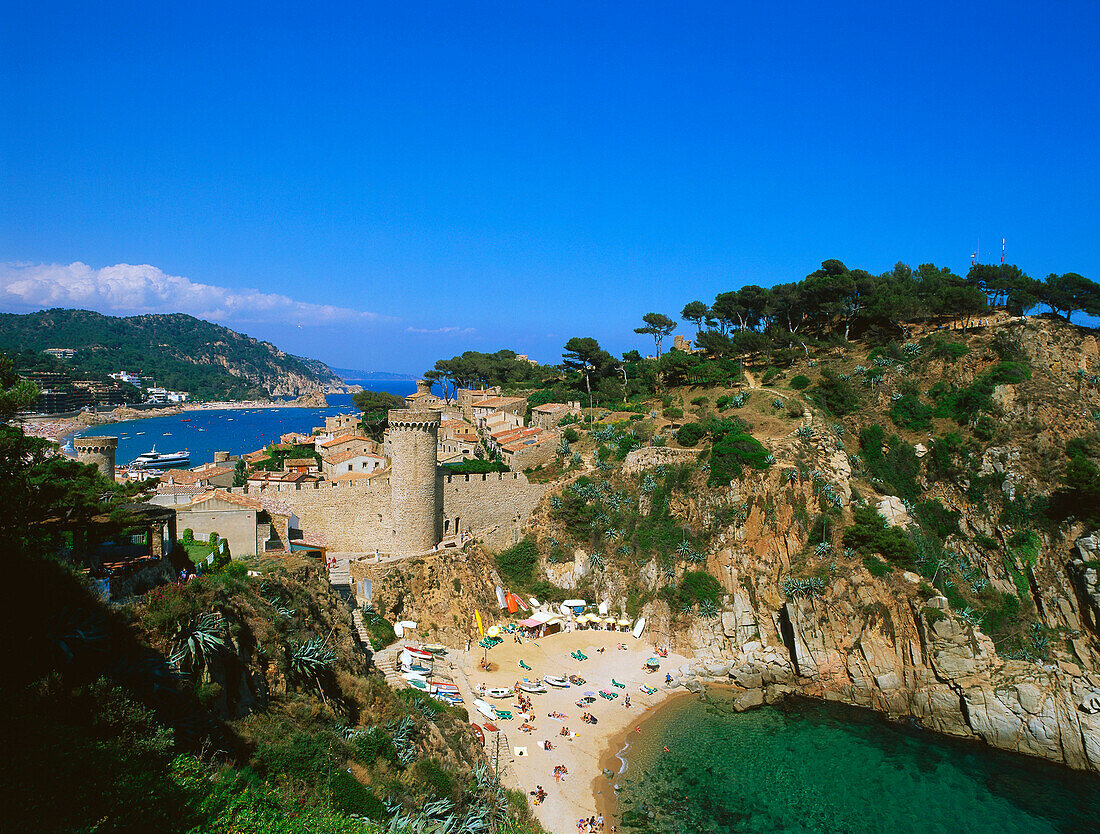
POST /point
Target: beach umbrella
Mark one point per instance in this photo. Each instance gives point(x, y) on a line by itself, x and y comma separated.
point(624, 623)
point(494, 631)
point(589, 694)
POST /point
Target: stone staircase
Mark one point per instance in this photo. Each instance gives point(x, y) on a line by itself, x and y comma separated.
point(339, 576)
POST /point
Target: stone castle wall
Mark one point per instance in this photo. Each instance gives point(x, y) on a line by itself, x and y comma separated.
point(351, 516)
point(492, 507)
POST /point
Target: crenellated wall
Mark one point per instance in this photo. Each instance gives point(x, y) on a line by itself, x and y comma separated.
point(492, 507)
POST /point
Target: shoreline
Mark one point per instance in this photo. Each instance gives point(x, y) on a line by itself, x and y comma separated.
point(62, 430)
point(584, 751)
point(615, 758)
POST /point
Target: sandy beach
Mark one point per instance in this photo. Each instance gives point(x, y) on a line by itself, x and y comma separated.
point(583, 790)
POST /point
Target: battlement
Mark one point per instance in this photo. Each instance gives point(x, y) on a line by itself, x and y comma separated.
point(414, 419)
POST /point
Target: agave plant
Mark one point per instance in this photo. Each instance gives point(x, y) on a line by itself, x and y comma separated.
point(687, 607)
point(649, 484)
point(802, 586)
point(805, 432)
point(198, 641)
point(708, 608)
point(401, 734)
point(312, 660)
point(623, 550)
point(613, 533)
point(791, 475)
point(576, 459)
point(683, 548)
point(597, 561)
point(697, 557)
point(823, 549)
point(777, 402)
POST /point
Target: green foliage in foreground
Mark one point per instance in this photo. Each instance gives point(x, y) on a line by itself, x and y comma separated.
point(475, 467)
point(695, 587)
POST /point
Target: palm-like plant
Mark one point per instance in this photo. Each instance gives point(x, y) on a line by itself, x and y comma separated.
point(312, 660)
point(708, 608)
point(198, 641)
point(597, 561)
point(683, 549)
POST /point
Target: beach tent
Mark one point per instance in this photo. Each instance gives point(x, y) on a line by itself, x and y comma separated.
point(624, 624)
point(575, 605)
point(543, 623)
point(603, 607)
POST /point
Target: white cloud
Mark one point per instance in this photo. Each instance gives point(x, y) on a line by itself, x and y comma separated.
point(129, 289)
point(458, 331)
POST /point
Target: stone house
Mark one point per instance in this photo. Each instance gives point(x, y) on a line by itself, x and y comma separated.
point(352, 461)
point(345, 443)
point(480, 411)
point(529, 451)
point(296, 479)
point(550, 415)
point(342, 423)
point(423, 396)
point(499, 421)
point(252, 525)
point(458, 441)
point(208, 476)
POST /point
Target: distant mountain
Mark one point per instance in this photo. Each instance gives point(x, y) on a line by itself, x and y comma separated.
point(178, 351)
point(383, 376)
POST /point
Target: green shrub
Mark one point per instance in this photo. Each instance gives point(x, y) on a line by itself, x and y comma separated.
point(570, 434)
point(876, 566)
point(898, 468)
point(353, 797)
point(835, 395)
point(700, 401)
point(432, 774)
point(517, 563)
point(869, 534)
point(689, 434)
point(673, 413)
point(476, 467)
point(800, 382)
point(695, 587)
point(732, 453)
point(910, 413)
point(937, 519)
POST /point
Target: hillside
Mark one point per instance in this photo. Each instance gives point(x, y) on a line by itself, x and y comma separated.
point(909, 526)
point(179, 351)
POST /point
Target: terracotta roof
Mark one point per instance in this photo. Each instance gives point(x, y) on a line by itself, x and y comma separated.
point(550, 408)
point(180, 489)
point(418, 395)
point(230, 498)
point(299, 463)
point(497, 402)
point(343, 438)
point(529, 441)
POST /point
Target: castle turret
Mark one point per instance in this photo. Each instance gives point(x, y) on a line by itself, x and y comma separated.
point(423, 386)
point(411, 443)
point(98, 451)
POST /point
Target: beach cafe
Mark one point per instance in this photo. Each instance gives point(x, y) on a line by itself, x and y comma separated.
point(541, 624)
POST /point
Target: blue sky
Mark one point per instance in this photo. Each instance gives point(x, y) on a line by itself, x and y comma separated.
point(381, 186)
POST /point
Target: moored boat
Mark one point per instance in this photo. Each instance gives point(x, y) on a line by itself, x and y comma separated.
point(554, 680)
point(533, 688)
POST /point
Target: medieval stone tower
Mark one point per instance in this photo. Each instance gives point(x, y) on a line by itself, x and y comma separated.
point(98, 451)
point(415, 495)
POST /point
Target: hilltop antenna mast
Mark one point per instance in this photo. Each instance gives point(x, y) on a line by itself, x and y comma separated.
point(1002, 250)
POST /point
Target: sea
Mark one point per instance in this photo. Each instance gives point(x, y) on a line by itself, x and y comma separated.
point(233, 430)
point(807, 766)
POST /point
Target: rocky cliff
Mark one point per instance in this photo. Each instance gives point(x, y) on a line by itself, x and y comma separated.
point(971, 605)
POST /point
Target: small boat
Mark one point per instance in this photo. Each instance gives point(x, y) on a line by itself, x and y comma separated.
point(499, 693)
point(492, 728)
point(417, 684)
point(554, 680)
point(639, 627)
point(478, 732)
point(435, 648)
point(418, 653)
point(485, 708)
point(533, 688)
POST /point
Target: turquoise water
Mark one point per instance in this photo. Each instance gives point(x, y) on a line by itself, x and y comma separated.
point(811, 767)
point(231, 430)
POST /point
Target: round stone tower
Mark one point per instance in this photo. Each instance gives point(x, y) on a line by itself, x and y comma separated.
point(411, 443)
point(98, 451)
